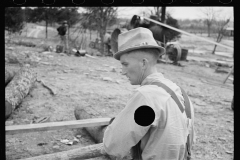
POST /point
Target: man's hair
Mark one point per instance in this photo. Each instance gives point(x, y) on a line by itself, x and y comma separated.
point(153, 52)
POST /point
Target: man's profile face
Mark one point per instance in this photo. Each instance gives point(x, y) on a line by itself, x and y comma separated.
point(131, 68)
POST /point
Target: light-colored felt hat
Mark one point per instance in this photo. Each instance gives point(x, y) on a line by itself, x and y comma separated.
point(136, 39)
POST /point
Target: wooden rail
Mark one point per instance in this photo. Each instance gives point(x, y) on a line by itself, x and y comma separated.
point(56, 125)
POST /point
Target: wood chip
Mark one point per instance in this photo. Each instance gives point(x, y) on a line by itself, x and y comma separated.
point(56, 147)
point(44, 85)
point(107, 79)
point(66, 141)
point(229, 152)
point(78, 136)
point(41, 120)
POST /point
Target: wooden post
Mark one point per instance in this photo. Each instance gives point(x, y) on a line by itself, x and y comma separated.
point(228, 75)
point(18, 88)
point(163, 14)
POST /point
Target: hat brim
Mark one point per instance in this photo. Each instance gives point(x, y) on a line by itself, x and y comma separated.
point(120, 53)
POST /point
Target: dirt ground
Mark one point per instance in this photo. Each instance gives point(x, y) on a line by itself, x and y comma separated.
point(92, 82)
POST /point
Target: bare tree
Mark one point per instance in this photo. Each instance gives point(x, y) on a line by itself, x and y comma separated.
point(160, 12)
point(102, 16)
point(209, 14)
point(157, 11)
point(221, 24)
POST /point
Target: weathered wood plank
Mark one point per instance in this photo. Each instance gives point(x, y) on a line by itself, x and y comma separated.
point(56, 125)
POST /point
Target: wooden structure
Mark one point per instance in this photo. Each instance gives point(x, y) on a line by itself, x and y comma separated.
point(229, 32)
point(16, 129)
point(91, 151)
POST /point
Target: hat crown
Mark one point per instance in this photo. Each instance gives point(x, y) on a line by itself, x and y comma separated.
point(135, 39)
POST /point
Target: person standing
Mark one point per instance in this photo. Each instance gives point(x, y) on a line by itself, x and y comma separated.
point(107, 42)
point(62, 32)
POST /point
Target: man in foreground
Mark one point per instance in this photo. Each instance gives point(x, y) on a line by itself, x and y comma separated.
point(154, 124)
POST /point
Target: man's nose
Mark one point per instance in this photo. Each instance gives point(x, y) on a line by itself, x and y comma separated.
point(123, 72)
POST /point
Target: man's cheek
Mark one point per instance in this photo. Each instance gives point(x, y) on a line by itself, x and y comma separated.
point(132, 73)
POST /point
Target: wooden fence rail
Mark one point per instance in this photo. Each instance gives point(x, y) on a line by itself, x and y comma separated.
point(15, 129)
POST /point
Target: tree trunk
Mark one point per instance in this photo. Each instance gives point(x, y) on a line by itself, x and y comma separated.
point(68, 30)
point(163, 14)
point(90, 34)
point(208, 31)
point(18, 88)
point(102, 42)
point(219, 38)
point(46, 29)
point(214, 49)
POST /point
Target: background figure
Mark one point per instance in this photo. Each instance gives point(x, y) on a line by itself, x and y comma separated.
point(62, 30)
point(107, 43)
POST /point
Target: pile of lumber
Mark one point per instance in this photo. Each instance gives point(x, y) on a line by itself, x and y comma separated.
point(17, 87)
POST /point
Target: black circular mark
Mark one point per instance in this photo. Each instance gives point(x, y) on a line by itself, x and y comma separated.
point(225, 1)
point(166, 1)
point(107, 1)
point(137, 1)
point(19, 2)
point(48, 2)
point(196, 1)
point(144, 116)
point(78, 2)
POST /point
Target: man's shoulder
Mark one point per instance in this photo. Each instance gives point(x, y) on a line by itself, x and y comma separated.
point(151, 91)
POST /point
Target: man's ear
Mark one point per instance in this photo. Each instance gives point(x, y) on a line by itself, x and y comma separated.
point(145, 63)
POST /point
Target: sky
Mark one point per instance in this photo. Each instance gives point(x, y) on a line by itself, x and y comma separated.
point(176, 12)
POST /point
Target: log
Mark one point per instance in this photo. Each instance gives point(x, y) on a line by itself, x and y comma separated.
point(97, 132)
point(9, 74)
point(222, 70)
point(18, 88)
point(91, 151)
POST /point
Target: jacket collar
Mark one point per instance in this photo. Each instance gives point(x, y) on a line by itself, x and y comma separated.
point(152, 78)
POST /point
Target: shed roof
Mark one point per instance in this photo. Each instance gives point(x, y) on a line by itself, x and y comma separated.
point(230, 28)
